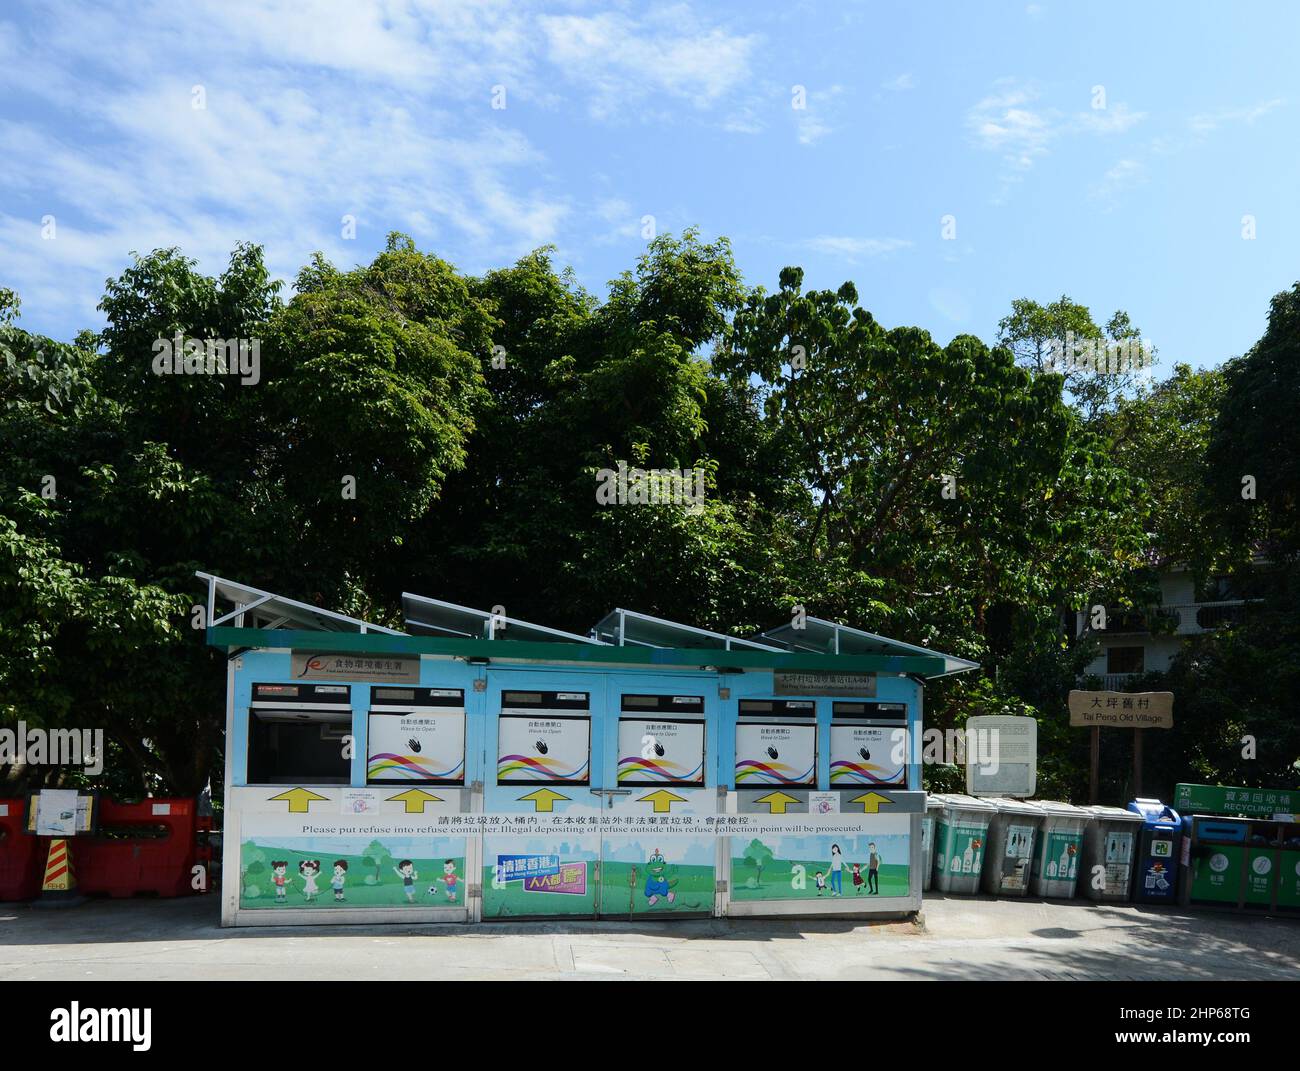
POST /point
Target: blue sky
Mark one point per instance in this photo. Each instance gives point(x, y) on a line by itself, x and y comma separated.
point(683, 112)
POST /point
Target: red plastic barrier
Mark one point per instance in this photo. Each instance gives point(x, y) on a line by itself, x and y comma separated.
point(146, 847)
point(22, 856)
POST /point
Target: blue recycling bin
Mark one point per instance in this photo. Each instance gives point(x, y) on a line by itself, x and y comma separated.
point(1159, 854)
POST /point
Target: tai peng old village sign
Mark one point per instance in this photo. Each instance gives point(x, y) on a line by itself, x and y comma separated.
point(1120, 710)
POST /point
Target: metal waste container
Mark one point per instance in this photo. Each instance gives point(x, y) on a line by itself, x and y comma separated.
point(961, 831)
point(1159, 852)
point(1110, 845)
point(933, 809)
point(1012, 834)
point(1060, 844)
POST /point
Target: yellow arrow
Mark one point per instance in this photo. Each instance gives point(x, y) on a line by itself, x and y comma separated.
point(299, 799)
point(663, 800)
point(543, 798)
point(777, 801)
point(415, 799)
point(871, 801)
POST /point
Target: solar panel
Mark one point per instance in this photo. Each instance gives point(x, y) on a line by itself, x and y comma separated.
point(830, 637)
point(627, 628)
point(434, 617)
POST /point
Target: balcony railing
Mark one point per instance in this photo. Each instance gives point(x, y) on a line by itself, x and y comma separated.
point(1179, 619)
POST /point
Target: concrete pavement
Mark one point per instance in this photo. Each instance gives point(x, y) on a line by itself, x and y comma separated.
point(967, 938)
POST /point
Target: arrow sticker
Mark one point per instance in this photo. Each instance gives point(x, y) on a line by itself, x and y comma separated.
point(415, 800)
point(543, 799)
point(663, 800)
point(299, 799)
point(777, 801)
point(871, 801)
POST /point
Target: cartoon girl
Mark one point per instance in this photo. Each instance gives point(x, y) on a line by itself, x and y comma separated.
point(821, 883)
point(406, 871)
point(837, 871)
point(857, 879)
point(336, 882)
point(309, 868)
point(449, 879)
point(278, 869)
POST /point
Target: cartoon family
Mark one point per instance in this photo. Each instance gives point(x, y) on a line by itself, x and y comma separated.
point(871, 883)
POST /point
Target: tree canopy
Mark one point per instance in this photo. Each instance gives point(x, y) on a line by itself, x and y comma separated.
point(404, 426)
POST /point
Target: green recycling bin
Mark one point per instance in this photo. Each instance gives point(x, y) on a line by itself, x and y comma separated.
point(1288, 878)
point(1012, 835)
point(1110, 844)
point(961, 831)
point(1057, 855)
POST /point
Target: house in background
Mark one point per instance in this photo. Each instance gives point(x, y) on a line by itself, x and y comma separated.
point(1135, 642)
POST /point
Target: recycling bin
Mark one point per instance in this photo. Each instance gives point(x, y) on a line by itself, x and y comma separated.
point(1012, 835)
point(961, 831)
point(1110, 844)
point(933, 810)
point(1288, 878)
point(1159, 852)
point(1220, 847)
point(1057, 854)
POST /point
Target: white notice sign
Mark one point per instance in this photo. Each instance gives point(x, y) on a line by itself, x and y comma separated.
point(1001, 756)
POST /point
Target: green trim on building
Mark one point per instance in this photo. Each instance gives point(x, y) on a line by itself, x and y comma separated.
point(541, 651)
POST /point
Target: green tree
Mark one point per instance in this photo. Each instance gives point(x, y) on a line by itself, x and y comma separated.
point(758, 855)
point(379, 857)
point(1037, 335)
point(1253, 457)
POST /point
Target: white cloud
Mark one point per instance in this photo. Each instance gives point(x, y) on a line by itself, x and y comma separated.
point(620, 60)
point(1210, 121)
point(1006, 122)
point(314, 109)
point(1116, 120)
point(901, 83)
point(851, 248)
point(1123, 175)
point(812, 122)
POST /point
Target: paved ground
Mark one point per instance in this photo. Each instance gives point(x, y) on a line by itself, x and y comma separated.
point(957, 938)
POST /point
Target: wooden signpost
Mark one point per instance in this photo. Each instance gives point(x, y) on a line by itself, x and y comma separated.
point(1120, 710)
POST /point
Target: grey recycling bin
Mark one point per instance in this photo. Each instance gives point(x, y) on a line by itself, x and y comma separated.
point(1110, 846)
point(1012, 835)
point(961, 830)
point(933, 809)
point(1057, 856)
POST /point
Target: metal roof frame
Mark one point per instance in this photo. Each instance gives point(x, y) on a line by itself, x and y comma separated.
point(615, 626)
point(270, 611)
point(830, 637)
point(465, 622)
point(451, 629)
point(589, 654)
